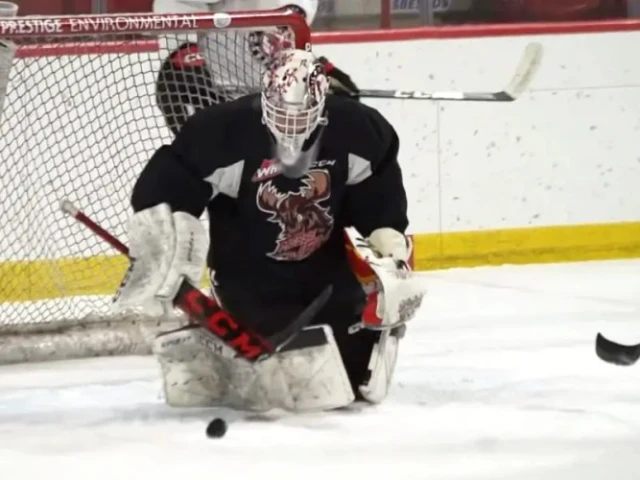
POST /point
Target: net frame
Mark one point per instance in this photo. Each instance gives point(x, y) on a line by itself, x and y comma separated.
point(131, 333)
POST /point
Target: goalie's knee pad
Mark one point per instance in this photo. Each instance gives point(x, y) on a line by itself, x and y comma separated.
point(307, 375)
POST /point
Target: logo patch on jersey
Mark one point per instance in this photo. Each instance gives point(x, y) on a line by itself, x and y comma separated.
point(305, 225)
point(268, 169)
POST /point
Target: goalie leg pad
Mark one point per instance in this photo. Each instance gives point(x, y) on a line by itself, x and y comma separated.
point(382, 365)
point(194, 368)
point(314, 372)
point(307, 375)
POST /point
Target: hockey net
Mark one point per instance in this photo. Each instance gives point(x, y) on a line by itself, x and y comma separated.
point(79, 121)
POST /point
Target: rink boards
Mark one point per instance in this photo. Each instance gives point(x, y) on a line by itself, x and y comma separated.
point(552, 177)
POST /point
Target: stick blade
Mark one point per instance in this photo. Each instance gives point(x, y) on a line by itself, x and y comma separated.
point(527, 69)
point(615, 353)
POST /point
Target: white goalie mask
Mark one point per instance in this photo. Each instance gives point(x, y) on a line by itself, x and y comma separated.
point(294, 90)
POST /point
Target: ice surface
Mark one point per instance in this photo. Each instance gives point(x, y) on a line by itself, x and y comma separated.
point(497, 379)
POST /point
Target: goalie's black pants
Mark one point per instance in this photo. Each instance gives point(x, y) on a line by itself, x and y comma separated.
point(343, 309)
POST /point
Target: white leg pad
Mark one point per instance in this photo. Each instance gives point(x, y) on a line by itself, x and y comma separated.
point(382, 364)
point(314, 374)
point(192, 367)
point(199, 371)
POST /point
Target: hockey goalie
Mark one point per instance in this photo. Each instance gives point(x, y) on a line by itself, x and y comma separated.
point(285, 176)
point(217, 66)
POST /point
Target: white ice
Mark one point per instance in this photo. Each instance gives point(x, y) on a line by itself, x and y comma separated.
point(497, 379)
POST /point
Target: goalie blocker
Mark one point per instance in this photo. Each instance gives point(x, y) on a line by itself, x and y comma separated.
point(282, 175)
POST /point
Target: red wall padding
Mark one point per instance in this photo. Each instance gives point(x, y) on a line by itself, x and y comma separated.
point(555, 10)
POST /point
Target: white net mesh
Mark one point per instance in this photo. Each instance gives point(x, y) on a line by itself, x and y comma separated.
point(81, 117)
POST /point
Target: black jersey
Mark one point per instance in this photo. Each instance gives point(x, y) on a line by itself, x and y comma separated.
point(270, 233)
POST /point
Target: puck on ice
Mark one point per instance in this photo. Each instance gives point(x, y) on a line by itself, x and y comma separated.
point(216, 428)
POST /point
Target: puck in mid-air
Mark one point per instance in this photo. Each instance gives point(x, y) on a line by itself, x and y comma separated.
point(216, 428)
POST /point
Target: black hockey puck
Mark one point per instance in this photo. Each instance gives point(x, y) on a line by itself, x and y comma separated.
point(216, 428)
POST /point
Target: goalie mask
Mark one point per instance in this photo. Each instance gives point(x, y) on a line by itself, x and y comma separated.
point(293, 98)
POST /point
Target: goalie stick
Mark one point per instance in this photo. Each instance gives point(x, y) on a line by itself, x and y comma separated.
point(526, 70)
point(245, 342)
point(616, 353)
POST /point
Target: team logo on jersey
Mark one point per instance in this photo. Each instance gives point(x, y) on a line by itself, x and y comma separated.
point(305, 224)
point(268, 169)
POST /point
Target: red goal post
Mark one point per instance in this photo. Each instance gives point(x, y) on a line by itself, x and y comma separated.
point(68, 26)
point(79, 119)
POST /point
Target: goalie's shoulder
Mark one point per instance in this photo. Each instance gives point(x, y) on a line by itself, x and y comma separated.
point(243, 111)
point(219, 132)
point(215, 137)
point(362, 127)
point(352, 116)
